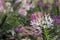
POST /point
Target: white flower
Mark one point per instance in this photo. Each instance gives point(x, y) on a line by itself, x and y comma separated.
point(34, 22)
point(45, 26)
point(38, 28)
point(26, 6)
point(8, 4)
point(48, 20)
point(22, 11)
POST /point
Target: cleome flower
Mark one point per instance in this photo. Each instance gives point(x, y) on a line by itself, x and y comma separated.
point(35, 18)
point(27, 4)
point(38, 19)
point(48, 20)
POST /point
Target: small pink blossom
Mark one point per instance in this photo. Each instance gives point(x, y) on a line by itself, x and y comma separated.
point(1, 2)
point(32, 16)
point(1, 5)
point(1, 8)
point(4, 11)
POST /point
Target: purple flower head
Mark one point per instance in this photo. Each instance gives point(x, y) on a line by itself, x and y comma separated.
point(40, 2)
point(48, 4)
point(17, 29)
point(56, 19)
point(55, 1)
point(21, 29)
point(32, 16)
point(45, 8)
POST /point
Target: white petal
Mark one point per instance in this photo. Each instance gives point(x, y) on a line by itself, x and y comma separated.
point(8, 4)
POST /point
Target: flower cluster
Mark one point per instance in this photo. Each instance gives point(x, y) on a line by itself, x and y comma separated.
point(22, 9)
point(37, 19)
point(25, 6)
point(2, 6)
point(33, 16)
point(7, 5)
point(24, 31)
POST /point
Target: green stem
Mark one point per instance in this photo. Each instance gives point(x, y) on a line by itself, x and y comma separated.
point(46, 31)
point(3, 20)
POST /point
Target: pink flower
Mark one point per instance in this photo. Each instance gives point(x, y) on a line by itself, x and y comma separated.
point(32, 16)
point(40, 2)
point(39, 15)
point(1, 5)
point(4, 11)
point(19, 28)
point(1, 8)
point(1, 2)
